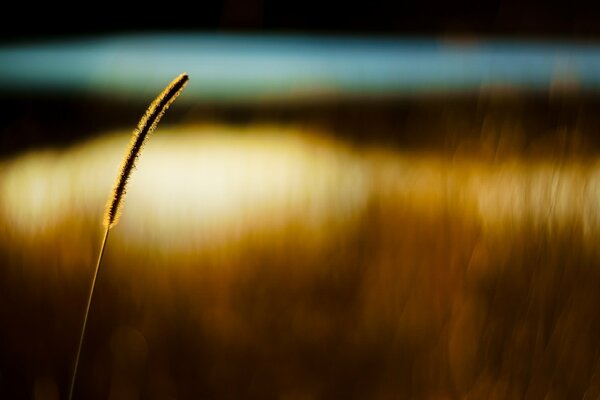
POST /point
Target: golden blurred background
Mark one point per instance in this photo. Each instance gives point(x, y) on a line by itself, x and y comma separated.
point(431, 246)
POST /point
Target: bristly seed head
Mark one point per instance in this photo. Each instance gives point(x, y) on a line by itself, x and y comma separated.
point(146, 125)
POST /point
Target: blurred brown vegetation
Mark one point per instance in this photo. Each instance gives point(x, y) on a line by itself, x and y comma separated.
point(421, 293)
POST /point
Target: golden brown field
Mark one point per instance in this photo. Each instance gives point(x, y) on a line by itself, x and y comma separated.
point(293, 261)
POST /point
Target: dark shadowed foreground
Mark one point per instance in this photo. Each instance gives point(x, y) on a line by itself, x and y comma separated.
point(458, 259)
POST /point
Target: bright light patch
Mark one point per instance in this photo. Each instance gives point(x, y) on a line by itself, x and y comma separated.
point(202, 186)
point(191, 186)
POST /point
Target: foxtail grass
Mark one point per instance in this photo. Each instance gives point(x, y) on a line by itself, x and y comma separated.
point(114, 205)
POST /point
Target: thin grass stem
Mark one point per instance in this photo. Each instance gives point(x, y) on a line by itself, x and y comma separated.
point(113, 209)
point(87, 312)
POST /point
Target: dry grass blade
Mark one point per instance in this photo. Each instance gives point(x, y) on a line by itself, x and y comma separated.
point(146, 125)
point(113, 208)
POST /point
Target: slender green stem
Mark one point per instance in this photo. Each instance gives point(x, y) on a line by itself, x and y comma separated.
point(87, 311)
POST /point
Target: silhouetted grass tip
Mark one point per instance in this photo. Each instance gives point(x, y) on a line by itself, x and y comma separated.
point(146, 125)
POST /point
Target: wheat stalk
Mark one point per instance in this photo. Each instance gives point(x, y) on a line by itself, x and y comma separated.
point(115, 203)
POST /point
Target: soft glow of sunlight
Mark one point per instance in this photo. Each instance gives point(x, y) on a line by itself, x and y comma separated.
point(201, 186)
point(191, 186)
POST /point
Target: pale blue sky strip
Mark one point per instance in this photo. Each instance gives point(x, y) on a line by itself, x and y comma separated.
point(255, 68)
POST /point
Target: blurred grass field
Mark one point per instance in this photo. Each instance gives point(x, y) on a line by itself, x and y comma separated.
point(424, 249)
